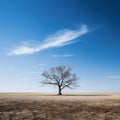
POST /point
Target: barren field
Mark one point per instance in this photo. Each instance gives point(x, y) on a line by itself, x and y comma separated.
point(36, 106)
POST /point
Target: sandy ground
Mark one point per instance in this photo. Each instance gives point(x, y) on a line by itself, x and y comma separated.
point(37, 106)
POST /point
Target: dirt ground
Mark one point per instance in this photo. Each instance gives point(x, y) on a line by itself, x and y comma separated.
point(36, 106)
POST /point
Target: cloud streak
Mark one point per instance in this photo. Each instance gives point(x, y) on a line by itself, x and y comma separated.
point(33, 72)
point(59, 39)
point(63, 56)
point(114, 77)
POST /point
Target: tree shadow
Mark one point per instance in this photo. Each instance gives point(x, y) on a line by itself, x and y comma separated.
point(84, 95)
point(72, 95)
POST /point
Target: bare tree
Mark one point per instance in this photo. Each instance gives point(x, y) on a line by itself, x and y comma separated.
point(61, 77)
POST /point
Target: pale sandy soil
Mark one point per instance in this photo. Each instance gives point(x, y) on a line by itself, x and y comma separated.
point(37, 106)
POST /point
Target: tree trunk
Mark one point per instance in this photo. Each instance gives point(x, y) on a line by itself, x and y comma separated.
point(59, 93)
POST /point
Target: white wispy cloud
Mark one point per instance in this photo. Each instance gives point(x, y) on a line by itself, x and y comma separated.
point(63, 56)
point(33, 72)
point(59, 39)
point(114, 77)
point(40, 64)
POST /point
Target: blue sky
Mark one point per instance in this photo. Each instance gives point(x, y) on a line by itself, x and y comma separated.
point(38, 34)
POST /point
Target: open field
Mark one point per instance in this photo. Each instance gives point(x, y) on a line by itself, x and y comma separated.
point(36, 106)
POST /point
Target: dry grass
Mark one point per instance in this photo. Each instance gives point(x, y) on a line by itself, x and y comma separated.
point(35, 106)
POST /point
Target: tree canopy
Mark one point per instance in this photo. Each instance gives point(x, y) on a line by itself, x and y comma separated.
point(61, 77)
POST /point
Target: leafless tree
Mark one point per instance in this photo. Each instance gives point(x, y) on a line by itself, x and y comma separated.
point(61, 77)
